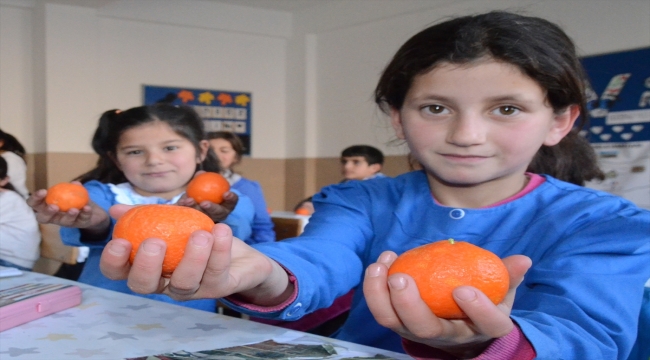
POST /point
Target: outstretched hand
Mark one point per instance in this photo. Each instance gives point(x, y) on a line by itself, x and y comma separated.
point(395, 303)
point(217, 212)
point(215, 265)
point(91, 217)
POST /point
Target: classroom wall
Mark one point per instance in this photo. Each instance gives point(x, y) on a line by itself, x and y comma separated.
point(312, 73)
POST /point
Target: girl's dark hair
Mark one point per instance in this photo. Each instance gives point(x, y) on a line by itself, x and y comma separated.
point(113, 123)
point(3, 174)
point(539, 48)
point(10, 143)
point(232, 138)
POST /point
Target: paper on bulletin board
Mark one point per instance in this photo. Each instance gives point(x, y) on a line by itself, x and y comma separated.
point(619, 108)
point(220, 110)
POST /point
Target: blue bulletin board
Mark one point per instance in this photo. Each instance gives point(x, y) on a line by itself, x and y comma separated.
point(220, 110)
point(618, 96)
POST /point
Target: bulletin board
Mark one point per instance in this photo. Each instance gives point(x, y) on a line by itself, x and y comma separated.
point(220, 110)
point(618, 95)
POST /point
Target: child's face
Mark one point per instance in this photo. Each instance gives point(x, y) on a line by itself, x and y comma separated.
point(357, 168)
point(226, 154)
point(479, 123)
point(156, 160)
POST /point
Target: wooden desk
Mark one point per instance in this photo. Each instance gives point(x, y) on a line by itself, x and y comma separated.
point(288, 224)
point(112, 325)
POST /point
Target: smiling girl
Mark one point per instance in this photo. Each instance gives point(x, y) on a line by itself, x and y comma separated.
point(147, 155)
point(478, 99)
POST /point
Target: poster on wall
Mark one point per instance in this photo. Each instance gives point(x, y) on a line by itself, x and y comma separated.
point(618, 95)
point(220, 110)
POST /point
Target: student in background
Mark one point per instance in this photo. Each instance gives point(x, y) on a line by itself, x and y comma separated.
point(230, 149)
point(475, 98)
point(358, 162)
point(14, 153)
point(361, 162)
point(147, 155)
point(19, 234)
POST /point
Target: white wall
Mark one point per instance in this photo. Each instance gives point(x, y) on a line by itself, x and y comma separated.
point(311, 73)
point(351, 57)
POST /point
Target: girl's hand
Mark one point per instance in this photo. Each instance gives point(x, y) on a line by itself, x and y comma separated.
point(91, 217)
point(217, 212)
point(214, 265)
point(396, 304)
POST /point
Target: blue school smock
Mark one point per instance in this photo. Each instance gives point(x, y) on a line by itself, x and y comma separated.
point(240, 220)
point(262, 224)
point(580, 299)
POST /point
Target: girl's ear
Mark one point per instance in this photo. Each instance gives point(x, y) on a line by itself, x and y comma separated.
point(396, 121)
point(562, 124)
point(4, 181)
point(204, 145)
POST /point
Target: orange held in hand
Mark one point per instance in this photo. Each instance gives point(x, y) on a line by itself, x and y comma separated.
point(208, 186)
point(171, 223)
point(438, 268)
point(67, 196)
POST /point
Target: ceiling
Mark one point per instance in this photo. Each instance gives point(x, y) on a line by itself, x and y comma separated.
point(279, 5)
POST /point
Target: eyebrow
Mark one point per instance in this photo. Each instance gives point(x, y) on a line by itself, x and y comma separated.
point(500, 98)
point(138, 146)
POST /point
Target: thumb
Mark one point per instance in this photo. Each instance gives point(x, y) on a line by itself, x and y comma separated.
point(116, 211)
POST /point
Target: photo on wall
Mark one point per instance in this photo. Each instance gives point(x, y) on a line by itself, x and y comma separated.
point(220, 110)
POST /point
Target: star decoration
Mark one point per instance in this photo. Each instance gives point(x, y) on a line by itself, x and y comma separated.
point(206, 327)
point(86, 353)
point(117, 336)
point(137, 307)
point(13, 352)
point(57, 337)
point(87, 306)
point(147, 326)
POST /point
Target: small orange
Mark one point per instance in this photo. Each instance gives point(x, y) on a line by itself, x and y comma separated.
point(172, 223)
point(438, 268)
point(67, 196)
point(302, 211)
point(208, 186)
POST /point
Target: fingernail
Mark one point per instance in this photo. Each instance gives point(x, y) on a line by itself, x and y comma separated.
point(117, 249)
point(373, 271)
point(397, 283)
point(200, 240)
point(465, 294)
point(151, 248)
point(384, 258)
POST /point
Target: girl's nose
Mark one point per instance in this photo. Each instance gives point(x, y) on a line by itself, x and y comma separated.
point(467, 130)
point(154, 158)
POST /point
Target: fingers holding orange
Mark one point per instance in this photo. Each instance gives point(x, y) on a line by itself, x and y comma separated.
point(440, 267)
point(208, 186)
point(67, 196)
point(172, 224)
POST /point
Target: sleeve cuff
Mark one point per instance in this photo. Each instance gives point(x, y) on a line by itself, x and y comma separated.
point(513, 346)
point(270, 309)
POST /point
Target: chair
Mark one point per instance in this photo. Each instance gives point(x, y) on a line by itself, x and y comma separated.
point(53, 251)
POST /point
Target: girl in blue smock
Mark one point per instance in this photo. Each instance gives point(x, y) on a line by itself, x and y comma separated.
point(488, 107)
point(230, 149)
point(147, 155)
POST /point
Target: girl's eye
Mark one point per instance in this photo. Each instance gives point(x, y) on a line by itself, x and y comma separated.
point(171, 148)
point(435, 109)
point(134, 152)
point(506, 110)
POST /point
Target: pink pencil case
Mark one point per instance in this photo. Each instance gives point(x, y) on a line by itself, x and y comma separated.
point(27, 302)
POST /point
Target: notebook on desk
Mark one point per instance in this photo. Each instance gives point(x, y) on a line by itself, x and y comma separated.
point(30, 301)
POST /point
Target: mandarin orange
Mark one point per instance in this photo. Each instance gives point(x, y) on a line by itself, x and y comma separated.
point(439, 267)
point(171, 223)
point(208, 186)
point(67, 196)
